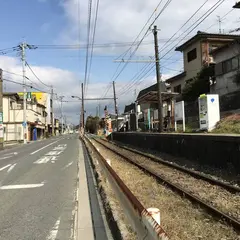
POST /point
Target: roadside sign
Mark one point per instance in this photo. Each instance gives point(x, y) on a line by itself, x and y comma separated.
point(1, 117)
point(1, 130)
point(29, 97)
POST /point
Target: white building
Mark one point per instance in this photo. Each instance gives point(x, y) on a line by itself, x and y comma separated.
point(227, 59)
point(13, 118)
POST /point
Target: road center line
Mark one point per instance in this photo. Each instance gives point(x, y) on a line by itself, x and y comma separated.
point(53, 234)
point(5, 167)
point(21, 186)
point(44, 147)
point(11, 168)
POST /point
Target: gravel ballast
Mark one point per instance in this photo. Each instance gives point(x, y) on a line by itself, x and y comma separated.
point(179, 217)
point(217, 196)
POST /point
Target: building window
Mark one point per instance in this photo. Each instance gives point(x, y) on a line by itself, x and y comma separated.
point(177, 89)
point(192, 55)
point(219, 69)
point(234, 63)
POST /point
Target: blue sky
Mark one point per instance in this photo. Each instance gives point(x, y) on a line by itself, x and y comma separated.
point(47, 22)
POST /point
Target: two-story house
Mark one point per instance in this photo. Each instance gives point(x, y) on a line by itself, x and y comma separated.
point(197, 54)
point(13, 118)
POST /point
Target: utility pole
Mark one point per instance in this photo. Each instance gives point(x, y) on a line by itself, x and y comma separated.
point(1, 112)
point(52, 116)
point(61, 100)
point(136, 108)
point(115, 103)
point(23, 47)
point(158, 75)
point(220, 24)
point(82, 114)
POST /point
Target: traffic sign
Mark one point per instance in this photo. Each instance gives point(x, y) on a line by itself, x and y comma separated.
point(1, 117)
point(29, 97)
point(24, 124)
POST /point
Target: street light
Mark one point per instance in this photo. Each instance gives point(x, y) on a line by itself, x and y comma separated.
point(76, 97)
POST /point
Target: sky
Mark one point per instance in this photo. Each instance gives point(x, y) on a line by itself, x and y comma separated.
point(58, 27)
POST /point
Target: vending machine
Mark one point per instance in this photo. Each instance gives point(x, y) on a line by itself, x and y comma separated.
point(209, 111)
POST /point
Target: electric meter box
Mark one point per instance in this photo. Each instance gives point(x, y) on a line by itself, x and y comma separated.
point(209, 111)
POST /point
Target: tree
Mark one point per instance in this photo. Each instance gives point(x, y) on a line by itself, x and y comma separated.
point(92, 124)
point(199, 85)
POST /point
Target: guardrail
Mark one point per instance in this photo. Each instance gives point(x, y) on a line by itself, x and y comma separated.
point(140, 219)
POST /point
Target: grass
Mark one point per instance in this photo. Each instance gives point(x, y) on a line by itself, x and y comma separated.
point(229, 124)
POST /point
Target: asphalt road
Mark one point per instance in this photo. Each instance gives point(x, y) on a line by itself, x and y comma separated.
point(37, 187)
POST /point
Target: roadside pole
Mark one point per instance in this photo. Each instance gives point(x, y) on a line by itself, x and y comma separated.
point(52, 116)
point(1, 112)
point(23, 47)
point(158, 75)
point(115, 103)
point(82, 113)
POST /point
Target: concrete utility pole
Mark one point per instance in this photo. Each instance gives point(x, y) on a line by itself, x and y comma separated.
point(115, 103)
point(136, 108)
point(52, 116)
point(158, 75)
point(82, 113)
point(220, 24)
point(61, 100)
point(23, 47)
point(1, 112)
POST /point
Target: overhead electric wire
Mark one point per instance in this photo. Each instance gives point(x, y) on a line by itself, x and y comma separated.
point(189, 19)
point(37, 76)
point(27, 85)
point(135, 50)
point(88, 41)
point(201, 19)
point(220, 19)
point(93, 40)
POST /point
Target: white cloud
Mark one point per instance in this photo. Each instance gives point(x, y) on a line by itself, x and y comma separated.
point(65, 83)
point(121, 21)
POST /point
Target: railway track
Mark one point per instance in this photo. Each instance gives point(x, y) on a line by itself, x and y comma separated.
point(197, 187)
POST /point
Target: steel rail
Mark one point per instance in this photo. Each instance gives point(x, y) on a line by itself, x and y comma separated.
point(227, 186)
point(214, 211)
point(141, 221)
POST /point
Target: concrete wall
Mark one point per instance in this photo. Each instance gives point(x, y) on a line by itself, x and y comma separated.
point(221, 152)
point(225, 83)
point(193, 67)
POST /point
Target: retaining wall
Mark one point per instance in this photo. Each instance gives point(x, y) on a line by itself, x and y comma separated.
point(219, 151)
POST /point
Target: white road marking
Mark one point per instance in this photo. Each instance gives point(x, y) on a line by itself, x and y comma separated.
point(21, 186)
point(13, 153)
point(46, 159)
point(53, 234)
point(44, 147)
point(5, 167)
point(68, 165)
point(11, 168)
point(5, 157)
point(53, 153)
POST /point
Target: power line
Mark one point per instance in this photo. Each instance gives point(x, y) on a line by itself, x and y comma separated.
point(201, 19)
point(88, 41)
point(27, 85)
point(189, 19)
point(93, 40)
point(220, 19)
point(37, 76)
point(135, 50)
